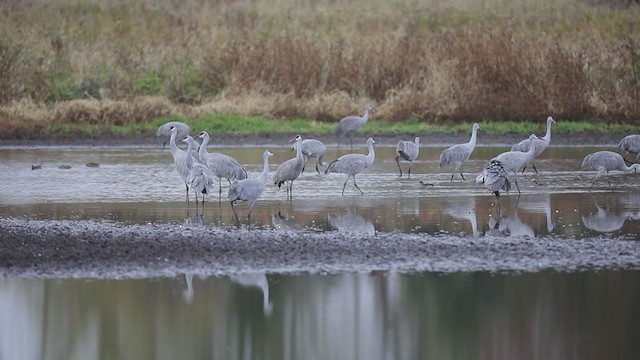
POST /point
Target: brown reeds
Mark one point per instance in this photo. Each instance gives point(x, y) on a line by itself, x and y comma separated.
point(116, 62)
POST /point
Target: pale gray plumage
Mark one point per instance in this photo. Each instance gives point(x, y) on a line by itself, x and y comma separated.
point(290, 170)
point(180, 159)
point(494, 177)
point(350, 124)
point(164, 130)
point(249, 190)
point(513, 161)
point(631, 144)
point(605, 161)
point(408, 151)
point(313, 148)
point(456, 155)
point(541, 144)
point(200, 177)
point(222, 165)
point(352, 164)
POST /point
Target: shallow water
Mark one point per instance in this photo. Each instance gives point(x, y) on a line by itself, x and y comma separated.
point(139, 185)
point(376, 315)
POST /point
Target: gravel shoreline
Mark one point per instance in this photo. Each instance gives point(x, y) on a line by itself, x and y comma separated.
point(92, 249)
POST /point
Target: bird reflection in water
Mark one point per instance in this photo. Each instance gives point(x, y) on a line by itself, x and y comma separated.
point(258, 280)
point(464, 209)
point(351, 223)
point(538, 203)
point(605, 220)
point(187, 293)
point(509, 225)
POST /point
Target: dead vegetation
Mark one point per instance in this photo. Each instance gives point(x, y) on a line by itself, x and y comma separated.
point(116, 62)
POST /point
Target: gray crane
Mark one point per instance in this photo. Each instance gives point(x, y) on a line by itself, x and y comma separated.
point(352, 164)
point(350, 124)
point(222, 165)
point(312, 148)
point(164, 130)
point(200, 177)
point(631, 144)
point(541, 144)
point(494, 177)
point(249, 190)
point(456, 155)
point(408, 151)
point(180, 158)
point(513, 161)
point(290, 170)
point(605, 161)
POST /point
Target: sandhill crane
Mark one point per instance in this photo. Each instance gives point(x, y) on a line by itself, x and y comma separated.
point(456, 155)
point(631, 144)
point(222, 165)
point(352, 164)
point(313, 148)
point(350, 124)
point(494, 177)
point(200, 177)
point(408, 151)
point(604, 161)
point(249, 190)
point(541, 144)
point(513, 161)
point(180, 159)
point(164, 130)
point(289, 170)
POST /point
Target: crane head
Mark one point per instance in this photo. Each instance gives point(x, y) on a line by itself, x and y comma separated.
point(203, 134)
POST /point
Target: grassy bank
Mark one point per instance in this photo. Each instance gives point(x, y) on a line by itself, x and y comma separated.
point(428, 61)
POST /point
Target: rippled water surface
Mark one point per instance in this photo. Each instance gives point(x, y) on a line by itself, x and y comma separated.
point(378, 315)
point(139, 185)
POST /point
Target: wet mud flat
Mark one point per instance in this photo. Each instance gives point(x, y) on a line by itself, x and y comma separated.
point(98, 249)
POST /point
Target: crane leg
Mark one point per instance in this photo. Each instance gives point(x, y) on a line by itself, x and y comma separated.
point(318, 170)
point(351, 144)
point(607, 176)
point(234, 212)
point(524, 168)
point(462, 176)
point(409, 170)
point(356, 185)
point(594, 181)
point(398, 162)
point(187, 187)
point(534, 168)
point(515, 174)
point(219, 189)
point(345, 185)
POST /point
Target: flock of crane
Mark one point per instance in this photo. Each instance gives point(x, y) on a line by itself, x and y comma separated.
point(199, 176)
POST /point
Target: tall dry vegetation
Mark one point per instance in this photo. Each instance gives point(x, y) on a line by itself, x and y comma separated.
point(91, 61)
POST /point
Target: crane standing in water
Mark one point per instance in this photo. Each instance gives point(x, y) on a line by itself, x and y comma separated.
point(290, 170)
point(456, 155)
point(222, 165)
point(494, 177)
point(249, 190)
point(408, 151)
point(541, 144)
point(631, 144)
point(180, 159)
point(352, 164)
point(350, 124)
point(200, 177)
point(513, 161)
point(605, 161)
point(313, 148)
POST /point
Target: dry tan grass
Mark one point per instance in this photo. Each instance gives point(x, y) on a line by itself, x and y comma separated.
point(428, 60)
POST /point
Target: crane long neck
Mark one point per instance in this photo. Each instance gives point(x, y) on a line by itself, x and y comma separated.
point(365, 117)
point(189, 157)
point(265, 170)
point(472, 141)
point(299, 150)
point(547, 135)
point(633, 167)
point(371, 156)
point(203, 147)
point(175, 150)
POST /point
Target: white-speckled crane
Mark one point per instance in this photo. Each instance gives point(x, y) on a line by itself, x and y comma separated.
point(494, 177)
point(456, 155)
point(408, 151)
point(352, 164)
point(164, 130)
point(290, 170)
point(222, 165)
point(631, 144)
point(200, 177)
point(350, 124)
point(513, 161)
point(249, 190)
point(605, 161)
point(541, 144)
point(313, 148)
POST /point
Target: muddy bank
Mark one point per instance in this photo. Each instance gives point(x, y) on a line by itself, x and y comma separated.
point(430, 139)
point(92, 249)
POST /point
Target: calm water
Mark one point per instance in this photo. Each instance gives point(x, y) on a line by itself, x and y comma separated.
point(547, 315)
